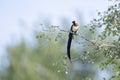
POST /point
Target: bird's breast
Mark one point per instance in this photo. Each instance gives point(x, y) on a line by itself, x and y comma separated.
point(75, 28)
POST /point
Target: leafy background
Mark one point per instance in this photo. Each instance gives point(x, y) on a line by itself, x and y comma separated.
point(95, 51)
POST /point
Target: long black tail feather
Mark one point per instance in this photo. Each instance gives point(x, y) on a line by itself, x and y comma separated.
point(69, 45)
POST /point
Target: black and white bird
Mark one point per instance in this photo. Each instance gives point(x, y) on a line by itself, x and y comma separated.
point(73, 30)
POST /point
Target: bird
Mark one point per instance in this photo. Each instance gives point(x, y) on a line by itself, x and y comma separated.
point(73, 30)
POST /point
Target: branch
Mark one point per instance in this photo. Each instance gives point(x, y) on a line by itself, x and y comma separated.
point(77, 35)
point(93, 43)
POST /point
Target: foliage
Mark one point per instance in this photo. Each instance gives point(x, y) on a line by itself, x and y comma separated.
point(108, 40)
point(96, 46)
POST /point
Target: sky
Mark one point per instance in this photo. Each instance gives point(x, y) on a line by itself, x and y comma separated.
point(14, 13)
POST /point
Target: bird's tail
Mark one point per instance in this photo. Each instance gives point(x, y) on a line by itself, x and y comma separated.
point(69, 45)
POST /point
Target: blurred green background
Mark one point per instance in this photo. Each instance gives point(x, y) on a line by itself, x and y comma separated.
point(33, 47)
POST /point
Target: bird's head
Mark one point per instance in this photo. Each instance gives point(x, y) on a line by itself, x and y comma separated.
point(74, 23)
